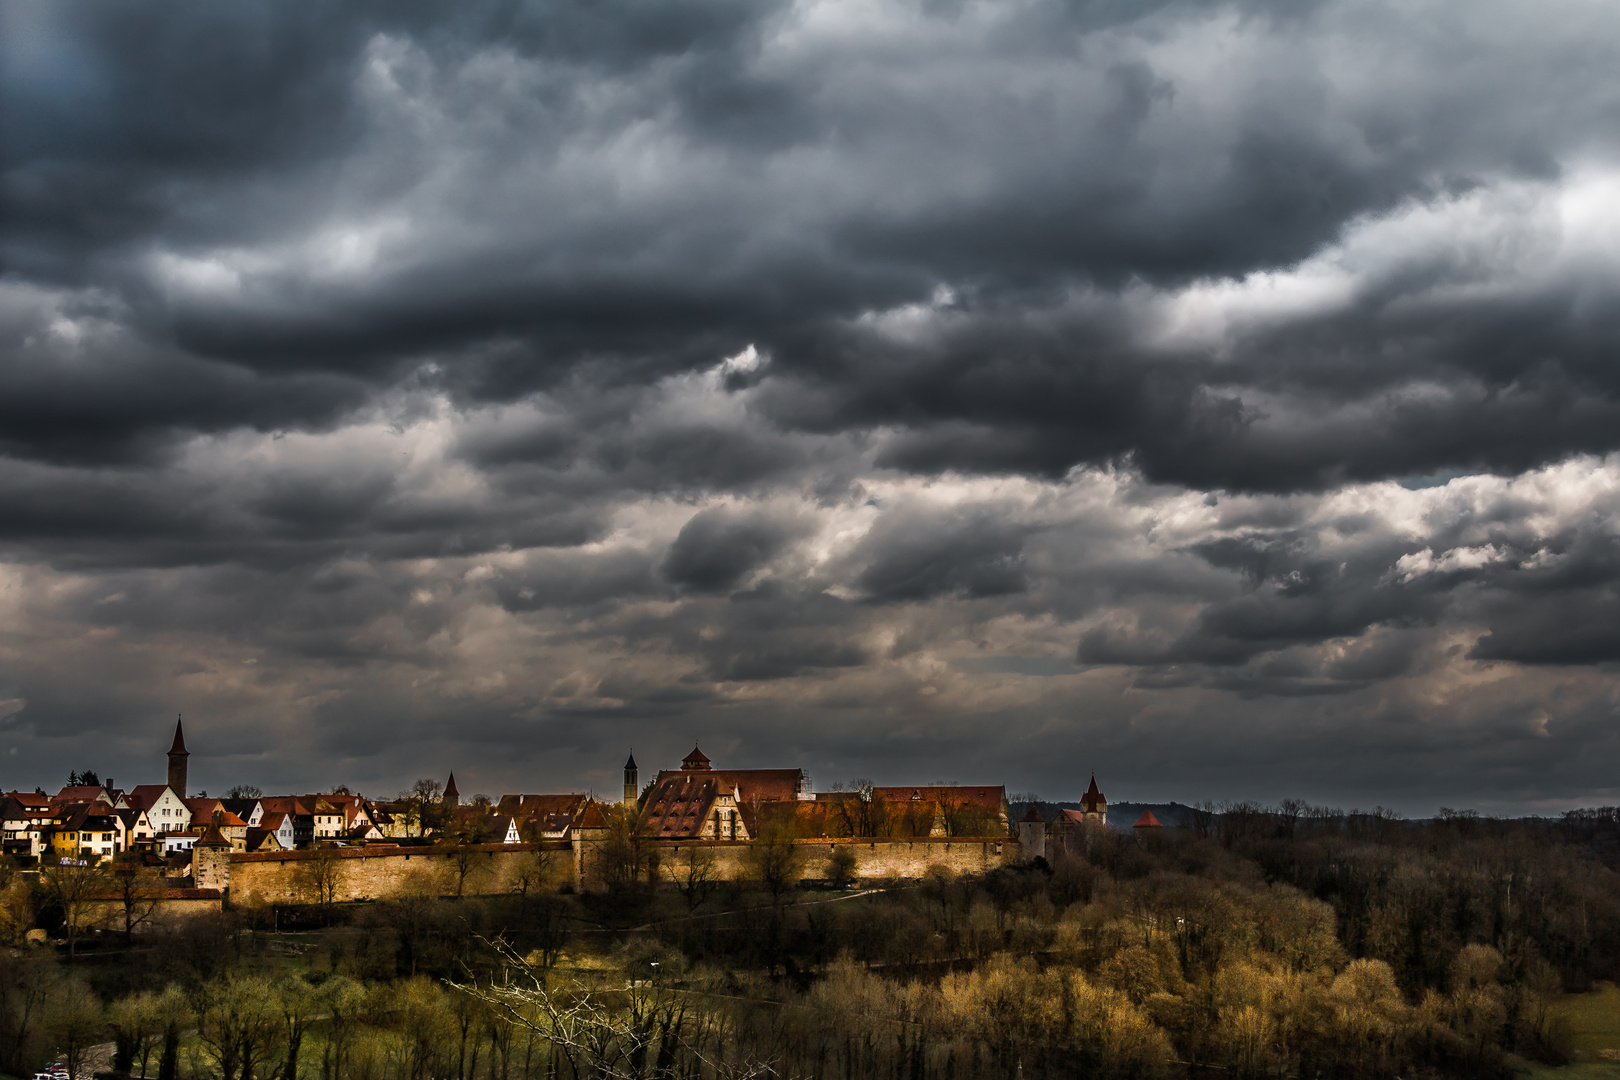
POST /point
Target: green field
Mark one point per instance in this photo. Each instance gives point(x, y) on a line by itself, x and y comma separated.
point(1591, 1028)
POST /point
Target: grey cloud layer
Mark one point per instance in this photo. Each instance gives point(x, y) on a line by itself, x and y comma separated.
point(368, 363)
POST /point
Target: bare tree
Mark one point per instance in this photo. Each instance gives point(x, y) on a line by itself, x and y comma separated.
point(694, 872)
point(773, 860)
point(137, 890)
point(319, 876)
point(625, 857)
point(239, 1025)
point(467, 863)
point(424, 804)
point(296, 1000)
point(73, 888)
point(862, 811)
point(74, 1023)
point(634, 1034)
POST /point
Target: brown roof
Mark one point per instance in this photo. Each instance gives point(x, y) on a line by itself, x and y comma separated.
point(81, 793)
point(990, 798)
point(298, 805)
point(257, 839)
point(1147, 821)
point(679, 804)
point(1093, 797)
point(592, 817)
point(450, 787)
point(179, 744)
point(696, 760)
point(142, 796)
point(271, 820)
point(1034, 814)
point(521, 806)
point(751, 785)
point(212, 837)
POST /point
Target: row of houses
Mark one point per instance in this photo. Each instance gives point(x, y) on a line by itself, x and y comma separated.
point(697, 801)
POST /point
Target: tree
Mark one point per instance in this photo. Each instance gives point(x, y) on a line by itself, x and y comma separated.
point(137, 890)
point(841, 867)
point(424, 804)
point(299, 1007)
point(694, 873)
point(773, 859)
point(137, 1025)
point(624, 855)
point(174, 1014)
point(84, 778)
point(74, 1022)
point(319, 876)
point(74, 889)
point(26, 990)
point(239, 1024)
point(862, 811)
point(467, 862)
point(244, 791)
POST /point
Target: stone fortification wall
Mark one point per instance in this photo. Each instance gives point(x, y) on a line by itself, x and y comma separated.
point(377, 873)
point(875, 859)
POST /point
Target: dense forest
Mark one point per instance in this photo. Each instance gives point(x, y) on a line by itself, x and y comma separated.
point(1255, 942)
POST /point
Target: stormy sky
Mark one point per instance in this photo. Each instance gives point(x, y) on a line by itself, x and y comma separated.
point(1220, 397)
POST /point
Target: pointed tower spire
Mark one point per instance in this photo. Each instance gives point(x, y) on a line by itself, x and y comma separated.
point(177, 760)
point(452, 797)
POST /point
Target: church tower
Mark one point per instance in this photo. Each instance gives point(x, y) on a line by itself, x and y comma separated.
point(632, 790)
point(452, 797)
point(1094, 805)
point(177, 761)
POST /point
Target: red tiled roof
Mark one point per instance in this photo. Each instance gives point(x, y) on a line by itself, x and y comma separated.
point(520, 806)
point(697, 760)
point(212, 837)
point(1147, 821)
point(593, 818)
point(142, 796)
point(679, 804)
point(81, 793)
point(751, 785)
point(990, 798)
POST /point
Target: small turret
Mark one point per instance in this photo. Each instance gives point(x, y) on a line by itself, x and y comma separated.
point(452, 797)
point(696, 761)
point(632, 790)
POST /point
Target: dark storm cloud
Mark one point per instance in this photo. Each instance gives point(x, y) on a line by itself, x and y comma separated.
point(717, 549)
point(834, 380)
point(536, 189)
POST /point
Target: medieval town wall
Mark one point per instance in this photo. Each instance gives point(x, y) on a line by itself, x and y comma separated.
point(285, 877)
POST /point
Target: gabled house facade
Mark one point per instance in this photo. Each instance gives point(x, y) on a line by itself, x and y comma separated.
point(165, 809)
